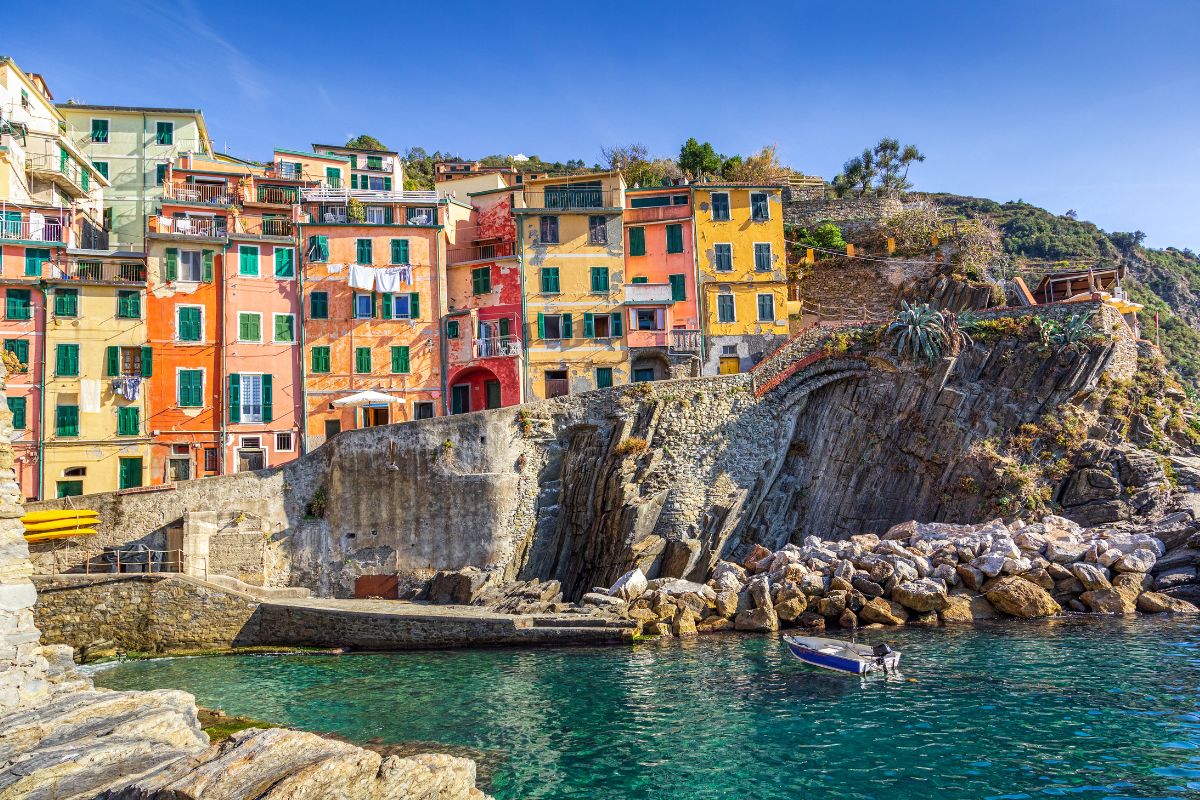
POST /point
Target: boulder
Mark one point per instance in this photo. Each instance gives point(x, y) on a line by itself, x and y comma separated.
point(831, 605)
point(684, 623)
point(1020, 598)
point(1135, 582)
point(946, 573)
point(760, 591)
point(903, 531)
point(750, 562)
point(629, 586)
point(848, 620)
point(680, 557)
point(924, 619)
point(1156, 603)
point(958, 609)
point(810, 621)
point(840, 584)
point(674, 586)
point(990, 564)
point(1109, 601)
point(1177, 576)
point(757, 619)
point(656, 629)
point(727, 604)
point(459, 586)
point(1065, 551)
point(1040, 577)
point(791, 609)
point(971, 577)
point(603, 601)
point(1092, 577)
point(883, 612)
point(730, 572)
point(865, 585)
point(921, 596)
point(1140, 560)
point(714, 624)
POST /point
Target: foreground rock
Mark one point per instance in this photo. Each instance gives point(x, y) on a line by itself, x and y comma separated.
point(1020, 598)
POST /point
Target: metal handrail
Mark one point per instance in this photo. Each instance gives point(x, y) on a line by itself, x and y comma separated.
point(100, 271)
point(48, 230)
point(207, 193)
point(570, 199)
point(319, 194)
point(96, 562)
point(497, 346)
point(191, 226)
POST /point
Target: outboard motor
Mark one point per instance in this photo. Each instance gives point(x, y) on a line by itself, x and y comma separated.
point(881, 650)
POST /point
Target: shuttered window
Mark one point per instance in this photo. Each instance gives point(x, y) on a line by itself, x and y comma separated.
point(320, 360)
point(66, 302)
point(128, 423)
point(723, 257)
point(362, 360)
point(100, 130)
point(191, 388)
point(318, 248)
point(400, 364)
point(285, 328)
point(129, 305)
point(599, 279)
point(759, 210)
point(164, 133)
point(550, 280)
point(766, 308)
point(188, 327)
point(35, 257)
point(318, 305)
point(17, 304)
point(19, 348)
point(362, 249)
point(399, 251)
point(674, 238)
point(720, 206)
point(249, 327)
point(66, 421)
point(762, 257)
point(678, 287)
point(725, 308)
point(604, 377)
point(18, 407)
point(637, 241)
point(101, 167)
point(66, 360)
point(248, 260)
point(285, 266)
point(481, 280)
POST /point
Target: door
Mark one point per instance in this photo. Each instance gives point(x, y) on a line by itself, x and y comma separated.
point(730, 365)
point(643, 374)
point(251, 460)
point(179, 469)
point(129, 474)
point(70, 488)
point(375, 415)
point(460, 398)
point(332, 428)
point(491, 393)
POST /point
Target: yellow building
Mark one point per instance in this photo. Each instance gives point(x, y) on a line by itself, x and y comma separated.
point(96, 436)
point(573, 270)
point(741, 258)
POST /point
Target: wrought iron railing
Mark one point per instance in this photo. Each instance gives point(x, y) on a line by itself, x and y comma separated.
point(497, 346)
point(46, 230)
point(207, 193)
point(571, 199)
point(100, 271)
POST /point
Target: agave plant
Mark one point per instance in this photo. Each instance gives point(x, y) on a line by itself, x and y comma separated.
point(920, 332)
point(1073, 332)
point(1045, 330)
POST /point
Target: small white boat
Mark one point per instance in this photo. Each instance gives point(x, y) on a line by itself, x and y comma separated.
point(843, 656)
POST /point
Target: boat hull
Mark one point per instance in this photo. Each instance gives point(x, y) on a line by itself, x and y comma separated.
point(854, 666)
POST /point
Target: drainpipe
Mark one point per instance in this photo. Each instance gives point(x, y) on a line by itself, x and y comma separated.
point(224, 370)
point(41, 476)
point(300, 317)
point(701, 310)
point(526, 389)
point(437, 284)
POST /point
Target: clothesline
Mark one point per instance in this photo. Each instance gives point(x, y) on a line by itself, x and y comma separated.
point(383, 279)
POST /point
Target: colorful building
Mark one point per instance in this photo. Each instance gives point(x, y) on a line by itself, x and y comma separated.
point(373, 292)
point(742, 268)
point(132, 147)
point(663, 319)
point(370, 170)
point(569, 239)
point(482, 331)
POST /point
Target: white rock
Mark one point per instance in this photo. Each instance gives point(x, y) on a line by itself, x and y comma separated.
point(731, 570)
point(1138, 561)
point(1091, 576)
point(990, 564)
point(629, 586)
point(1015, 566)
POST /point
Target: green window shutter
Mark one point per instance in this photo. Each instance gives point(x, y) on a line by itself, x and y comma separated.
point(414, 305)
point(599, 279)
point(618, 320)
point(189, 324)
point(284, 266)
point(318, 248)
point(640, 279)
point(541, 326)
point(452, 329)
point(112, 360)
point(678, 287)
point(18, 408)
point(127, 421)
point(206, 266)
point(99, 130)
point(66, 302)
point(399, 251)
point(235, 397)
point(20, 349)
point(387, 305)
point(268, 397)
point(400, 363)
point(66, 420)
point(320, 359)
point(17, 304)
point(160, 174)
point(66, 360)
point(318, 305)
point(567, 332)
point(34, 258)
point(248, 260)
point(147, 362)
point(101, 167)
point(389, 216)
point(604, 377)
point(362, 360)
point(387, 184)
point(481, 280)
point(589, 326)
point(284, 329)
point(674, 238)
point(550, 283)
point(129, 305)
point(637, 241)
point(363, 251)
point(374, 306)
point(353, 181)
point(190, 388)
point(249, 327)
point(172, 264)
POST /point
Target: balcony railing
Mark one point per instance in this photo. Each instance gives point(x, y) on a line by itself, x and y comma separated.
point(481, 252)
point(385, 165)
point(287, 170)
point(210, 227)
point(331, 194)
point(46, 230)
point(267, 226)
point(63, 171)
point(657, 213)
point(648, 293)
point(497, 347)
point(685, 341)
point(99, 271)
point(646, 338)
point(277, 195)
point(211, 194)
point(568, 199)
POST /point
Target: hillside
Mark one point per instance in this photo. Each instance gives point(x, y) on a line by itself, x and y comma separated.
point(1166, 281)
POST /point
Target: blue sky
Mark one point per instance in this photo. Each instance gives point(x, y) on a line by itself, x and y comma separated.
point(1091, 106)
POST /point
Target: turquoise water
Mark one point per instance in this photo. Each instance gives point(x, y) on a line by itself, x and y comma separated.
point(1082, 709)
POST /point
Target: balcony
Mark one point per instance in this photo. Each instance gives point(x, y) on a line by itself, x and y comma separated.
point(382, 165)
point(497, 347)
point(96, 271)
point(481, 252)
point(200, 227)
point(35, 230)
point(646, 338)
point(637, 216)
point(648, 294)
point(62, 171)
point(339, 194)
point(209, 194)
point(684, 341)
point(287, 170)
point(569, 199)
point(276, 195)
point(267, 226)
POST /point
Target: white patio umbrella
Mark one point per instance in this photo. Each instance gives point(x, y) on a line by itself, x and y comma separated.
point(367, 398)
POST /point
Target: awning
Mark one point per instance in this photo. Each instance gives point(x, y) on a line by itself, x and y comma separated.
point(367, 398)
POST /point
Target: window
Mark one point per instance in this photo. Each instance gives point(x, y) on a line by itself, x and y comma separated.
point(678, 287)
point(249, 398)
point(129, 305)
point(66, 421)
point(20, 349)
point(66, 360)
point(550, 280)
point(210, 459)
point(766, 308)
point(549, 230)
point(762, 257)
point(362, 251)
point(34, 258)
point(362, 360)
point(364, 306)
point(17, 405)
point(659, 200)
point(189, 325)
point(599, 279)
point(413, 216)
point(423, 410)
point(399, 251)
point(100, 131)
point(17, 304)
point(69, 488)
point(723, 257)
point(249, 326)
point(402, 306)
point(283, 442)
point(452, 329)
point(320, 360)
point(190, 266)
point(129, 473)
point(248, 259)
point(318, 305)
point(374, 215)
point(131, 361)
point(674, 238)
point(128, 423)
point(759, 210)
point(374, 162)
point(725, 308)
point(639, 279)
point(285, 328)
point(481, 280)
point(160, 174)
point(285, 262)
point(108, 219)
point(597, 326)
point(101, 167)
point(66, 302)
point(318, 248)
point(649, 319)
point(550, 326)
point(400, 362)
point(191, 388)
point(637, 241)
point(597, 230)
point(720, 206)
point(164, 133)
point(604, 377)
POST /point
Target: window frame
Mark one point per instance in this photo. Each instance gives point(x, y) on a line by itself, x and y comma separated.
point(481, 280)
point(597, 229)
point(558, 320)
point(545, 222)
point(545, 274)
point(179, 323)
point(179, 399)
point(107, 130)
point(291, 448)
point(732, 308)
point(370, 361)
point(244, 250)
point(243, 416)
point(637, 240)
point(370, 305)
point(359, 242)
point(122, 418)
point(592, 275)
point(169, 129)
point(770, 256)
point(199, 262)
point(312, 314)
point(60, 349)
point(673, 226)
point(275, 317)
point(327, 359)
point(64, 292)
point(766, 204)
point(25, 310)
point(123, 294)
point(101, 167)
point(758, 306)
point(716, 257)
point(291, 261)
point(58, 420)
point(712, 207)
point(245, 315)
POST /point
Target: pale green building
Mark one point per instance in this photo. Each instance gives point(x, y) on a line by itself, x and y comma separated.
point(132, 147)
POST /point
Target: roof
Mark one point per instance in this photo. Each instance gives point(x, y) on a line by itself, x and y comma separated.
point(683, 188)
point(306, 154)
point(356, 149)
point(738, 185)
point(68, 106)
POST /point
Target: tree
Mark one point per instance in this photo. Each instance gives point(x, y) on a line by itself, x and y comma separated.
point(893, 162)
point(366, 142)
point(730, 167)
point(1125, 241)
point(696, 159)
point(825, 236)
point(857, 173)
point(762, 167)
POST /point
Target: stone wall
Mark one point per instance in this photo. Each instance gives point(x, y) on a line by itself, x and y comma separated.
point(854, 215)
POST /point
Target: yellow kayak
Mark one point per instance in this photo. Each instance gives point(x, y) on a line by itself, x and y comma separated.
point(46, 537)
point(61, 524)
point(53, 516)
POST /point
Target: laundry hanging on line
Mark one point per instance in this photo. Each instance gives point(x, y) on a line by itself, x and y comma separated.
point(391, 279)
point(362, 277)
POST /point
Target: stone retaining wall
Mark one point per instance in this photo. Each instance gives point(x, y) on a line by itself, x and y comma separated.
point(852, 214)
